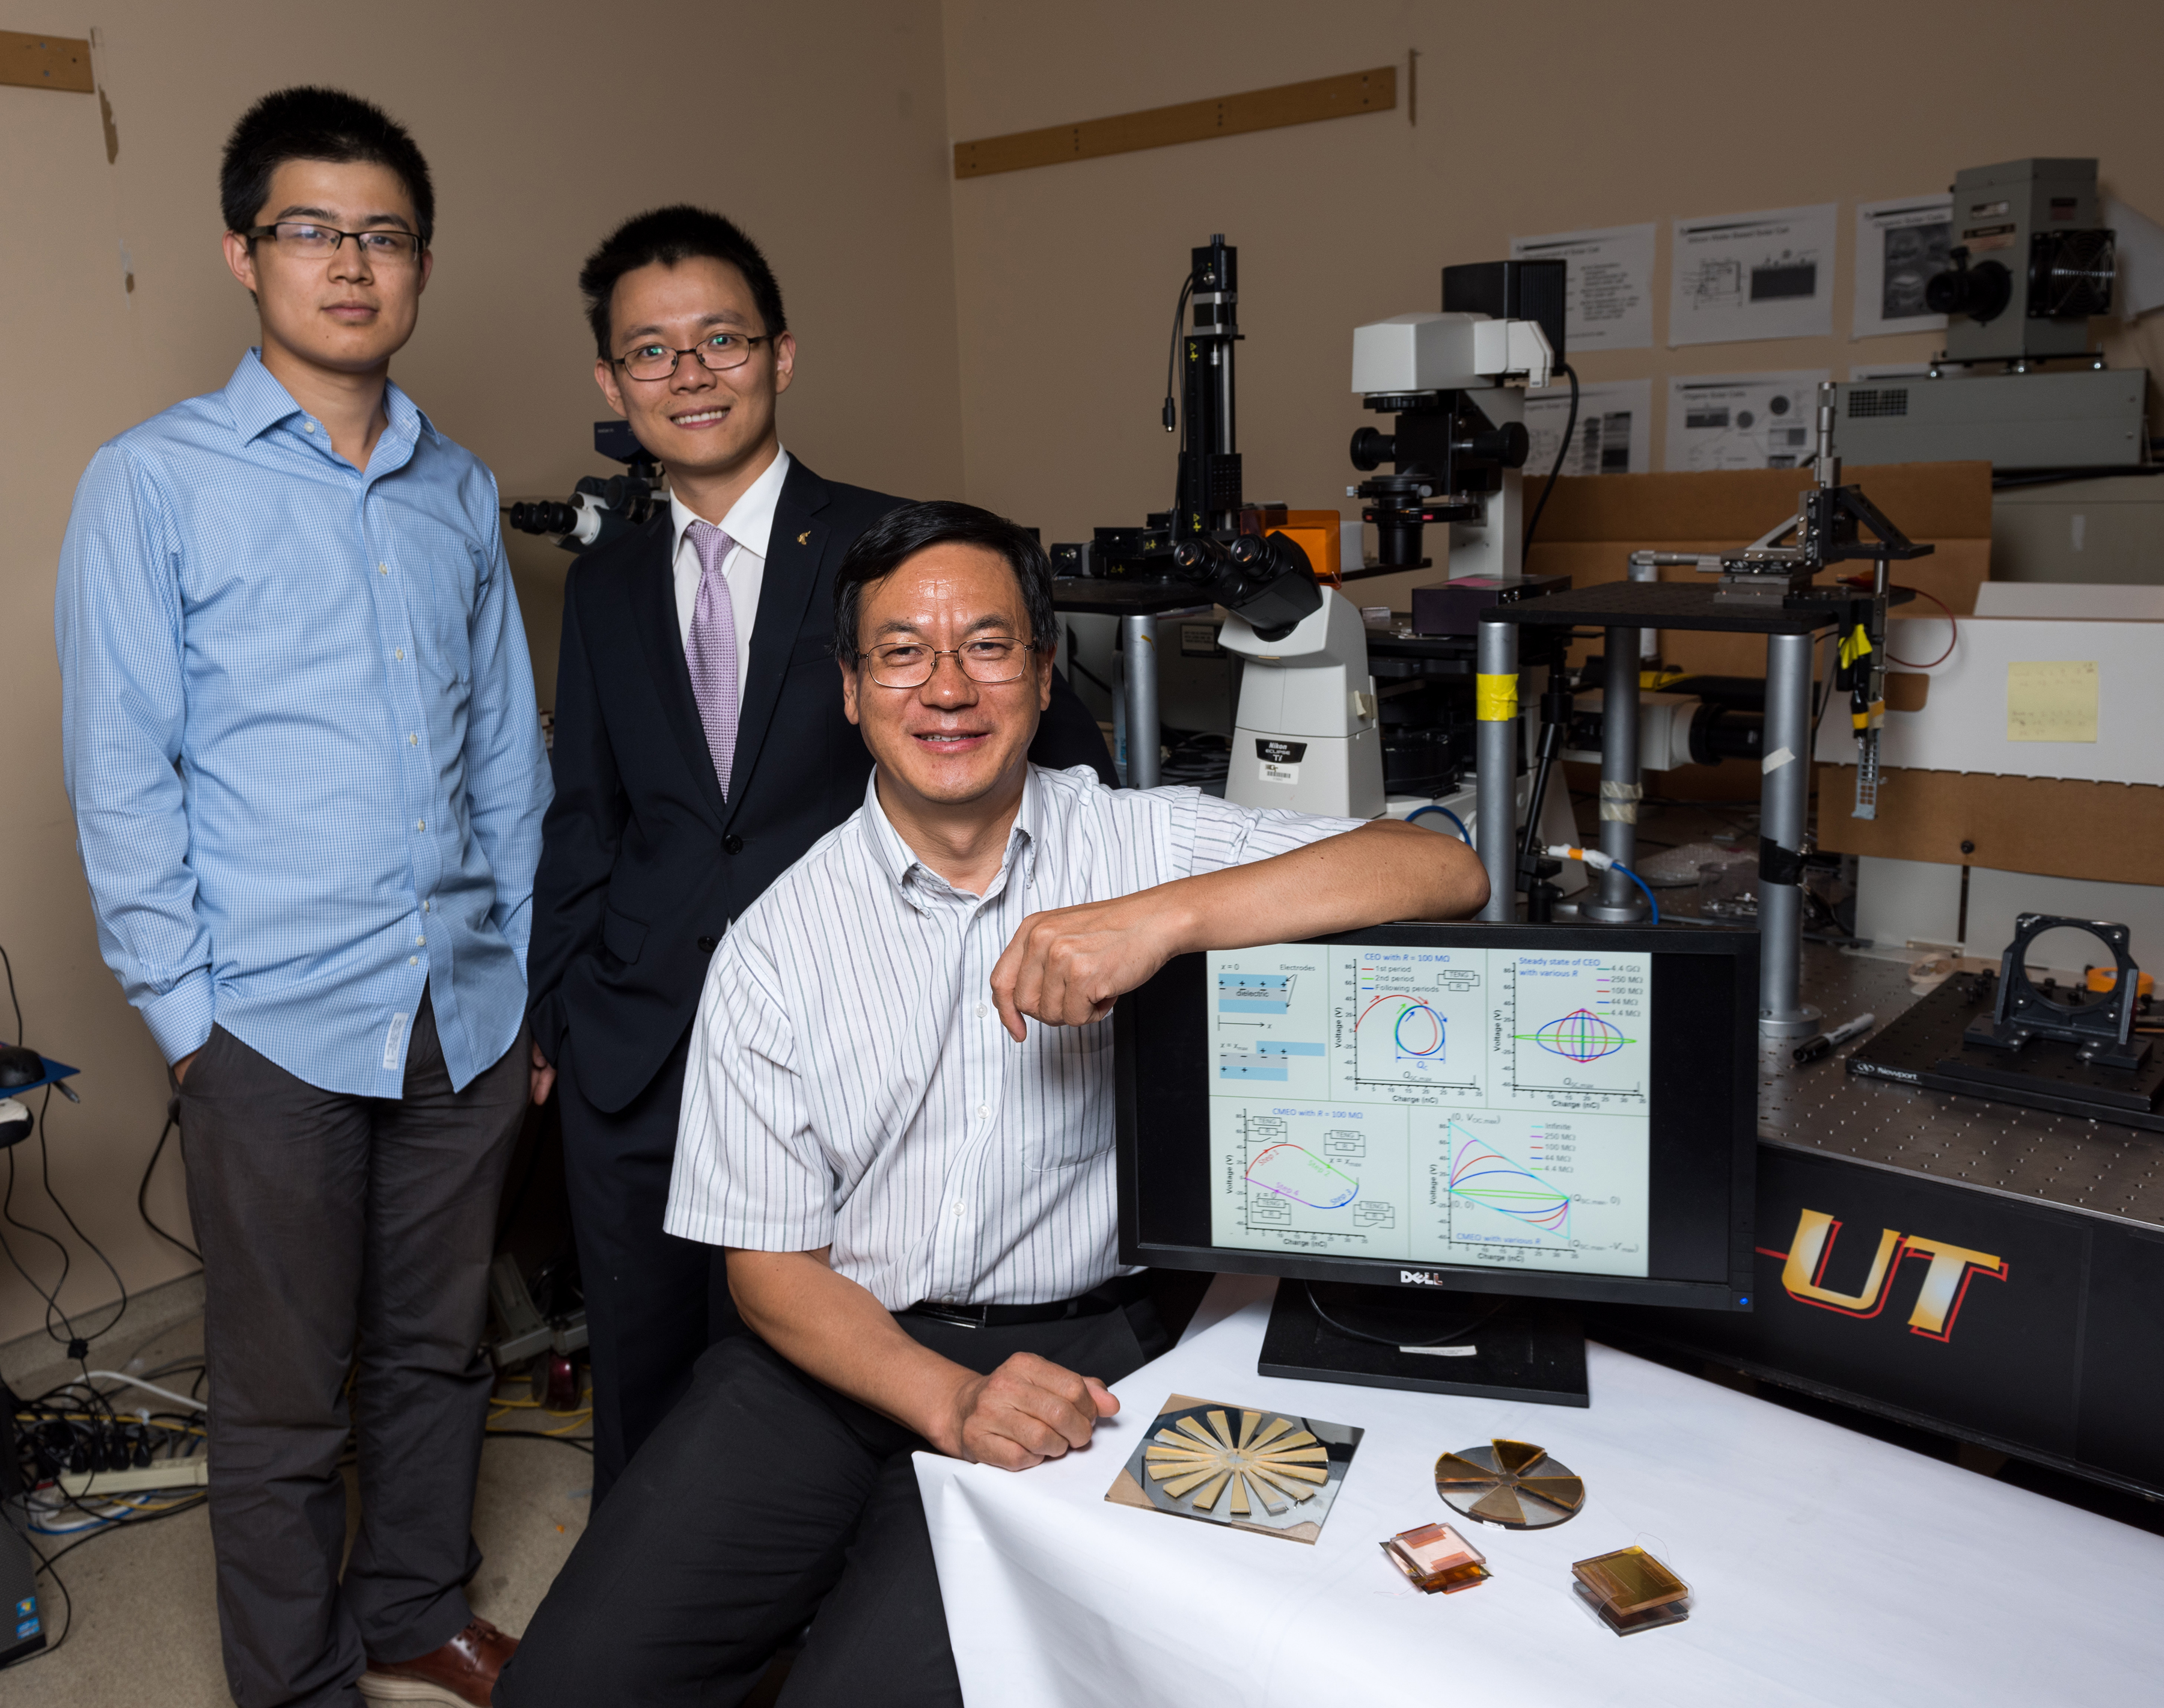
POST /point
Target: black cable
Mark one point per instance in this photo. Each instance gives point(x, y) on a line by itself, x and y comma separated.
point(143, 1190)
point(1443, 1339)
point(52, 1299)
point(12, 997)
point(583, 1443)
point(45, 1174)
point(1171, 357)
point(1562, 450)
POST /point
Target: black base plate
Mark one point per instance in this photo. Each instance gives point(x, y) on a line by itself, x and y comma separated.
point(1526, 1350)
point(1924, 1047)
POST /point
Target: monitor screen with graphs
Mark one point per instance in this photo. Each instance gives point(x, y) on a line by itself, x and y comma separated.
point(1565, 1110)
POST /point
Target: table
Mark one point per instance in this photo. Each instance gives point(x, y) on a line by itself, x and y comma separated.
point(1826, 1568)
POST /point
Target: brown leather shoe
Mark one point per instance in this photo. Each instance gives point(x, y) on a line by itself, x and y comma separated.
point(459, 1674)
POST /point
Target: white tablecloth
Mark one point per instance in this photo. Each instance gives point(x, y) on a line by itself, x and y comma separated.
point(1826, 1567)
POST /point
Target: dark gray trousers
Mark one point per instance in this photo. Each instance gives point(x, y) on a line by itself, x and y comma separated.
point(336, 1228)
point(763, 1498)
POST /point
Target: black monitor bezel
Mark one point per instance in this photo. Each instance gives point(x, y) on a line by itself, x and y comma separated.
point(1740, 949)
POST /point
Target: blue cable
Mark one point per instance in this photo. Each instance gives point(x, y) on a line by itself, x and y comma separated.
point(1648, 894)
point(1453, 817)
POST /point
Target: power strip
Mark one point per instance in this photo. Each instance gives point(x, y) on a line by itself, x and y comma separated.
point(175, 1474)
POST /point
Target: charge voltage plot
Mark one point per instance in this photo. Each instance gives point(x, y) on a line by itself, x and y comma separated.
point(1309, 1179)
point(1541, 1191)
point(1573, 1031)
point(1268, 1018)
point(1410, 1025)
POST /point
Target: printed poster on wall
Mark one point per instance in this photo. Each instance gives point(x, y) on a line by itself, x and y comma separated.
point(1741, 421)
point(1608, 284)
point(1745, 275)
point(1900, 244)
point(1614, 434)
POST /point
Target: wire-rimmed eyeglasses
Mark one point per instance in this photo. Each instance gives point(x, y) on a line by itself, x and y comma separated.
point(989, 659)
point(718, 353)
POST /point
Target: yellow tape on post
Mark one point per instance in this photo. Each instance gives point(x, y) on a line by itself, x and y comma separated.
point(1494, 699)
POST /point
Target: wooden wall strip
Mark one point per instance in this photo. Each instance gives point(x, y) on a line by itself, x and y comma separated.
point(44, 61)
point(1191, 121)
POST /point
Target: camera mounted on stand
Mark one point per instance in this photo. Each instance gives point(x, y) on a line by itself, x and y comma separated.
point(601, 508)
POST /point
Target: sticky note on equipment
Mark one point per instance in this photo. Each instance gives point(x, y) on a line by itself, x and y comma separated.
point(2055, 700)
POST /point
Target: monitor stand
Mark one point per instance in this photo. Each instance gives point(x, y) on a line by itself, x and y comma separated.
point(1490, 1346)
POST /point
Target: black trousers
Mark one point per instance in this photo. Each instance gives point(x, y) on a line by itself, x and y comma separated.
point(653, 1302)
point(333, 1228)
point(763, 1498)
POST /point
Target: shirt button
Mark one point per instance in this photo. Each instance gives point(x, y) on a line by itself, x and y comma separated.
point(420, 942)
point(414, 739)
point(412, 960)
point(424, 906)
point(983, 1110)
point(383, 569)
point(980, 1011)
point(398, 652)
point(307, 427)
point(420, 824)
point(960, 1208)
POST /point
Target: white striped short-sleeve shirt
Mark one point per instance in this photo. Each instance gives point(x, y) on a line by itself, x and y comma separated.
point(850, 1085)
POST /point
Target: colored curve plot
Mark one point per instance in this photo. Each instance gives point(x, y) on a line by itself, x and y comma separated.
point(1579, 1036)
point(1481, 1175)
point(1410, 1025)
point(1294, 1172)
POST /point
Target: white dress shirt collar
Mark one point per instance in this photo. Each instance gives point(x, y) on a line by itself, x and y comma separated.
point(902, 864)
point(750, 520)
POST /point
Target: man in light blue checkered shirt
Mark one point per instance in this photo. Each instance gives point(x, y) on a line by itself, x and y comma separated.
point(308, 780)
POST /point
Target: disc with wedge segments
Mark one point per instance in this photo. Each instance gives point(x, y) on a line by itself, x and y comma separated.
point(1510, 1483)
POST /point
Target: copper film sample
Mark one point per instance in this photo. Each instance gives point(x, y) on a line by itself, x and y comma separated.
point(1631, 1592)
point(1436, 1558)
point(1512, 1483)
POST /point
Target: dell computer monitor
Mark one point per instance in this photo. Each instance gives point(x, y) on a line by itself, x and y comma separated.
point(1558, 1113)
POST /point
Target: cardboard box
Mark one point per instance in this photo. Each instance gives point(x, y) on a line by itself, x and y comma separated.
point(2064, 827)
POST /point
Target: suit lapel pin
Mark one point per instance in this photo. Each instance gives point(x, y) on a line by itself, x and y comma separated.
point(803, 537)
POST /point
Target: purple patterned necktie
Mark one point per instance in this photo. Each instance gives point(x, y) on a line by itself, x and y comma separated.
point(709, 650)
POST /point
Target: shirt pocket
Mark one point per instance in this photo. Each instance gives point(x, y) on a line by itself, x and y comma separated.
point(444, 587)
point(1070, 1123)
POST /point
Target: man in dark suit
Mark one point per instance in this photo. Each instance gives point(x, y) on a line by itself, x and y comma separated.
point(700, 748)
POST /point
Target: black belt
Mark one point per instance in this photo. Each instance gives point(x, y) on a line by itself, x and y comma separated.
point(1120, 1291)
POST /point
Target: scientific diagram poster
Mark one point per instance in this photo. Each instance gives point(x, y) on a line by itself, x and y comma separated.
point(1607, 301)
point(1745, 275)
point(1614, 434)
point(1900, 244)
point(1741, 421)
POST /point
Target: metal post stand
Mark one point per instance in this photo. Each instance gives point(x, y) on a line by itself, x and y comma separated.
point(1495, 697)
point(1140, 668)
point(1784, 806)
point(1618, 901)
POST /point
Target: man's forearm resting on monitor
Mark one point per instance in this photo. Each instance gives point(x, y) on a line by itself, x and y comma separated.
point(1066, 966)
point(1027, 1410)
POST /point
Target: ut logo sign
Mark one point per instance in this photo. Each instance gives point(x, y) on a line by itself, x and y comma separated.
point(1938, 1300)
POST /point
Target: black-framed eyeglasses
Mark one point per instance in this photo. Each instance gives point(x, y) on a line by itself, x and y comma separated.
point(989, 659)
point(314, 241)
point(718, 353)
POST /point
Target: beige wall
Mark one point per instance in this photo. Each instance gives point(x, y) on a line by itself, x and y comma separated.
point(822, 126)
point(1537, 117)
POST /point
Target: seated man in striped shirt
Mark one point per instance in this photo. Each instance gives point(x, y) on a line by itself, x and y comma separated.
point(898, 1121)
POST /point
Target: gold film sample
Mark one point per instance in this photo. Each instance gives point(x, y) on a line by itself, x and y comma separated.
point(1631, 1592)
point(1244, 1466)
point(1512, 1483)
point(1436, 1558)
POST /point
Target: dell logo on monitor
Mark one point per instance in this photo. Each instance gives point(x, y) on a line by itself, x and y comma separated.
point(1419, 1278)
